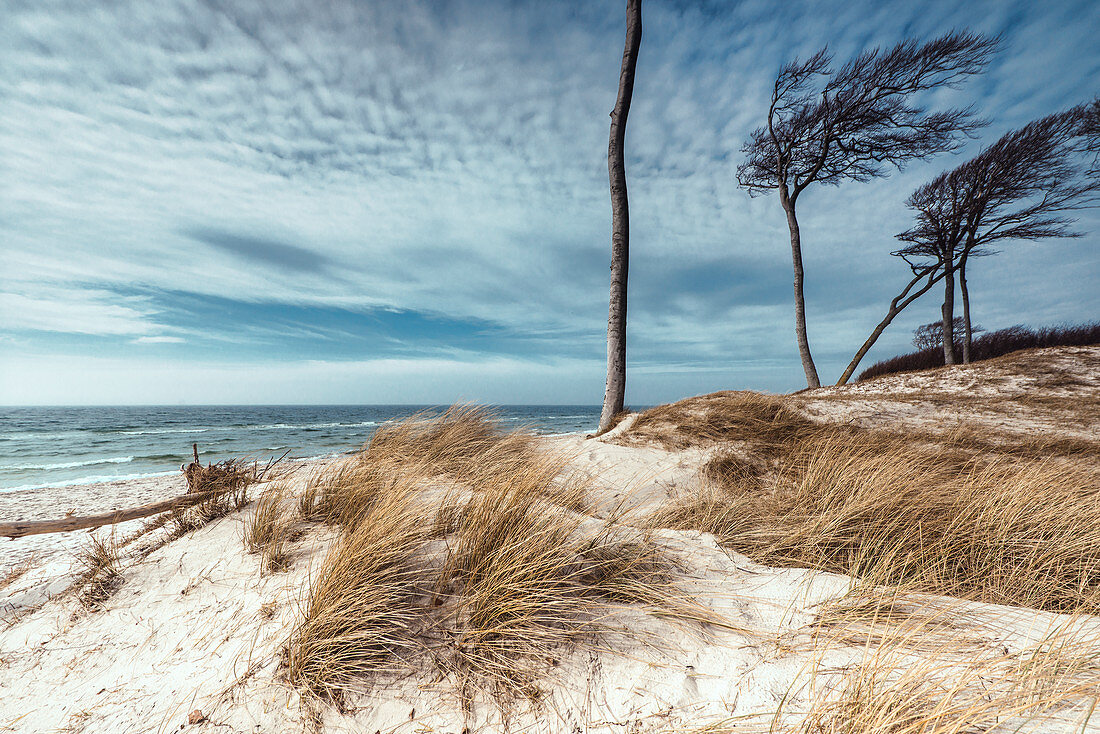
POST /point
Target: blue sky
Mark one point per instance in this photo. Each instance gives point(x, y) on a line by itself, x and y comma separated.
point(398, 202)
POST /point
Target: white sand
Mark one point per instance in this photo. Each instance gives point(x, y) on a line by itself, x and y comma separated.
point(187, 630)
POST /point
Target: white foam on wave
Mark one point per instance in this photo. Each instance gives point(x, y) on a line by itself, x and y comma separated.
point(87, 480)
point(150, 431)
point(67, 464)
point(254, 427)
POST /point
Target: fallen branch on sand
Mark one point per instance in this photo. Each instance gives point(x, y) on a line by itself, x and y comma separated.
point(19, 529)
point(205, 483)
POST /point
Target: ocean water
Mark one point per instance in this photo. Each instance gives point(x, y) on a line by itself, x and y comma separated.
point(50, 447)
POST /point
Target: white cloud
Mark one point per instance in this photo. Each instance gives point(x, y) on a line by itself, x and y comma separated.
point(75, 312)
point(159, 340)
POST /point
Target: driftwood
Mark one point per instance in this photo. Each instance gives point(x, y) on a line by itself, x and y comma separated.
point(19, 529)
point(229, 478)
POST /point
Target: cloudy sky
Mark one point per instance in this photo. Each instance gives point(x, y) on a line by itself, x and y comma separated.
point(363, 201)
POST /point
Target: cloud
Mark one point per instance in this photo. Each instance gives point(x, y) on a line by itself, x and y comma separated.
point(317, 165)
point(261, 250)
point(159, 340)
point(94, 312)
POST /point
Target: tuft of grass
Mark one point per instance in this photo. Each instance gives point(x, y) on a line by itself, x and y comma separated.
point(462, 444)
point(308, 500)
point(267, 530)
point(459, 442)
point(362, 613)
point(766, 420)
point(1007, 530)
point(466, 555)
point(100, 568)
point(527, 575)
point(892, 662)
point(14, 573)
point(954, 686)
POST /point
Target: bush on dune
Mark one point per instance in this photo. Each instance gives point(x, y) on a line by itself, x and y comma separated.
point(988, 346)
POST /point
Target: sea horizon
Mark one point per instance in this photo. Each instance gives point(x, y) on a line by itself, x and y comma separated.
point(57, 446)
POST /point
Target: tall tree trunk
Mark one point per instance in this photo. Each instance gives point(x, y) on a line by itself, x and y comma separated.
point(896, 306)
point(967, 330)
point(948, 313)
point(799, 297)
point(615, 387)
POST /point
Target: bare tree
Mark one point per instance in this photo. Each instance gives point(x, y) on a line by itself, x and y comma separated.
point(855, 124)
point(929, 336)
point(1019, 188)
point(615, 388)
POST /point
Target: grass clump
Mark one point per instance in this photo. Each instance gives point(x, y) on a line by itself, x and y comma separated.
point(919, 670)
point(100, 571)
point(362, 612)
point(267, 530)
point(1006, 530)
point(14, 573)
point(892, 691)
point(456, 445)
point(460, 442)
point(228, 482)
point(766, 420)
point(891, 661)
point(463, 556)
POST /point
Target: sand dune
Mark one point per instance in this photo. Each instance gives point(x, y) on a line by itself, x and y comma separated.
point(195, 627)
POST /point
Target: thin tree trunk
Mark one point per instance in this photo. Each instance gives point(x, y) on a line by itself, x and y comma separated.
point(615, 387)
point(948, 313)
point(808, 367)
point(968, 332)
point(896, 306)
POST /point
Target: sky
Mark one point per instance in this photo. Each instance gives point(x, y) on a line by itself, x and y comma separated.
point(341, 201)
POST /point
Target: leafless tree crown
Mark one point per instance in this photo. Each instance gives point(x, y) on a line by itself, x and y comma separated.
point(1021, 187)
point(930, 336)
point(854, 123)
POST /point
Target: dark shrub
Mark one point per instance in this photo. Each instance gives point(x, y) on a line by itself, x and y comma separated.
point(988, 346)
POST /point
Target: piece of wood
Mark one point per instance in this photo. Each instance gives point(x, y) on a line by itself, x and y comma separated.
point(19, 529)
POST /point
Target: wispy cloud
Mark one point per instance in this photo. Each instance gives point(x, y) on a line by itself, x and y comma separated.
point(319, 165)
point(83, 311)
point(160, 340)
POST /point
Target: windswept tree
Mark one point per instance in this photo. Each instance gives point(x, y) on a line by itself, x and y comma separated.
point(855, 124)
point(930, 336)
point(1021, 187)
point(615, 388)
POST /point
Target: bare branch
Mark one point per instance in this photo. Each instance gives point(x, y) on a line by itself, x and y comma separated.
point(860, 123)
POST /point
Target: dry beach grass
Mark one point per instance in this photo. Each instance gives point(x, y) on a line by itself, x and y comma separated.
point(934, 510)
point(484, 584)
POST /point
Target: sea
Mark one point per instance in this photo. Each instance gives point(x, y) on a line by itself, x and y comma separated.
point(55, 447)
